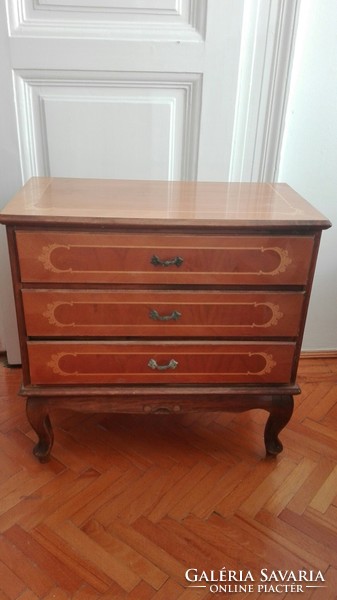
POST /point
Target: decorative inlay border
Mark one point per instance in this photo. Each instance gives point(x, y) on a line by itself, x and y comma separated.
point(49, 314)
point(284, 260)
point(54, 363)
point(276, 315)
point(45, 257)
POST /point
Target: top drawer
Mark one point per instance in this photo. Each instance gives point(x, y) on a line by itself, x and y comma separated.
point(56, 256)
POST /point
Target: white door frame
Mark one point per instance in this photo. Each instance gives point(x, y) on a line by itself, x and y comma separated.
point(263, 85)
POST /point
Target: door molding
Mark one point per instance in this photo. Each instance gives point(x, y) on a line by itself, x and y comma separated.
point(35, 89)
point(268, 36)
point(111, 19)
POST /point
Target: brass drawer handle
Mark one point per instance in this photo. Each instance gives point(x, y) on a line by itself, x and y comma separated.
point(154, 365)
point(157, 262)
point(174, 316)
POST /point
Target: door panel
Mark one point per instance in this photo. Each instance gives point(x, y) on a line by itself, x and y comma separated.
point(164, 18)
point(123, 126)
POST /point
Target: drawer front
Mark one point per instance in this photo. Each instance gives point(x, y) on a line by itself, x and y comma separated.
point(106, 363)
point(48, 256)
point(59, 313)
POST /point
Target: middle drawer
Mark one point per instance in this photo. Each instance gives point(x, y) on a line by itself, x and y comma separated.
point(74, 313)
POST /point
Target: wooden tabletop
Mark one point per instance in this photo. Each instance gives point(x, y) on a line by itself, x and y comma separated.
point(104, 201)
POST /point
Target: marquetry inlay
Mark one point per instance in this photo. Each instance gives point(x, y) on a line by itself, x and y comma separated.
point(79, 363)
point(57, 313)
point(58, 258)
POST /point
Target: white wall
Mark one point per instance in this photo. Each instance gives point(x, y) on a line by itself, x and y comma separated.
point(309, 153)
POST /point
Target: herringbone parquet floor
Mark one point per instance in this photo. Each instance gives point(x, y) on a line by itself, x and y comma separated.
point(129, 503)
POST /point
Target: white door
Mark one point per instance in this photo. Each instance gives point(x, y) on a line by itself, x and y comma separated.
point(138, 89)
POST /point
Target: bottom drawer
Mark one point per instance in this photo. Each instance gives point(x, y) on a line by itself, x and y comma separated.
point(169, 362)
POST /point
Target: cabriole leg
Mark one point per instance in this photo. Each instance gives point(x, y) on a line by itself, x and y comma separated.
point(38, 417)
point(280, 411)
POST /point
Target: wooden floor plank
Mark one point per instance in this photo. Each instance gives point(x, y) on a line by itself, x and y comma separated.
point(326, 494)
point(149, 548)
point(11, 585)
point(100, 495)
point(292, 484)
point(199, 499)
point(329, 591)
point(101, 561)
point(317, 531)
point(309, 488)
point(266, 545)
point(34, 578)
point(28, 595)
point(66, 553)
point(137, 438)
point(300, 544)
point(178, 490)
point(46, 561)
point(140, 565)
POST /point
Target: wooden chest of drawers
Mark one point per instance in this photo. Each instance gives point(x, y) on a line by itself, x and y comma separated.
point(160, 297)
